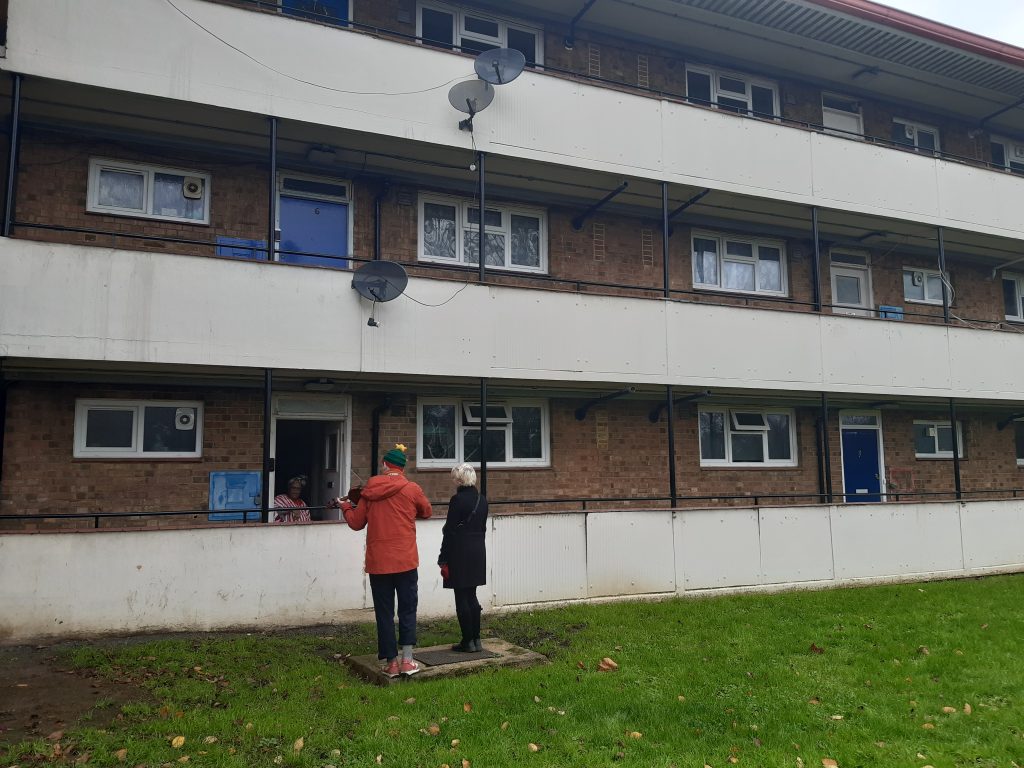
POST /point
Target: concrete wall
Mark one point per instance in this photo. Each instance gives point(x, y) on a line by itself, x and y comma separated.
point(598, 128)
point(78, 303)
point(58, 585)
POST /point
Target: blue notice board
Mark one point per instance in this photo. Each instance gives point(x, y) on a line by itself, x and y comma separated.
point(233, 492)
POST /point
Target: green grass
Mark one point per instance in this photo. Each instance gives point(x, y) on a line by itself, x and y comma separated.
point(885, 660)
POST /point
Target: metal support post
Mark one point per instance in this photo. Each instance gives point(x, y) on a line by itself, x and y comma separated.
point(816, 260)
point(670, 408)
point(942, 273)
point(268, 396)
point(272, 195)
point(483, 432)
point(826, 449)
point(664, 258)
point(956, 450)
point(12, 157)
point(480, 165)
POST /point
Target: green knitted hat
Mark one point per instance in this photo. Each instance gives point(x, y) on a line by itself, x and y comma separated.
point(396, 456)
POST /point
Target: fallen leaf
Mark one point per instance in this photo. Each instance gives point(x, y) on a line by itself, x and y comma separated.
point(581, 665)
point(949, 710)
point(278, 760)
point(828, 762)
point(55, 736)
point(248, 726)
point(335, 753)
point(433, 729)
point(815, 700)
point(411, 700)
point(837, 717)
point(533, 747)
point(392, 718)
point(799, 763)
point(607, 665)
point(816, 649)
point(504, 726)
point(178, 742)
point(928, 726)
point(681, 698)
point(121, 755)
point(635, 735)
point(880, 744)
point(380, 759)
point(733, 759)
point(967, 709)
point(465, 763)
point(923, 650)
point(536, 699)
point(455, 742)
point(958, 652)
point(299, 744)
point(467, 707)
point(231, 750)
point(184, 759)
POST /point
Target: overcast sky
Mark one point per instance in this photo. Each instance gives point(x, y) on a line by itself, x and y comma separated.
point(998, 19)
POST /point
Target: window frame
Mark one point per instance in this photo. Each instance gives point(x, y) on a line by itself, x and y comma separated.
point(927, 273)
point(1009, 145)
point(461, 406)
point(459, 14)
point(1018, 281)
point(715, 73)
point(462, 225)
point(940, 454)
point(84, 405)
point(756, 244)
point(839, 268)
point(768, 463)
point(148, 171)
point(918, 127)
point(859, 135)
point(1020, 461)
point(348, 22)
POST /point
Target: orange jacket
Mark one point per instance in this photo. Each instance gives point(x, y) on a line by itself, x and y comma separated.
point(389, 505)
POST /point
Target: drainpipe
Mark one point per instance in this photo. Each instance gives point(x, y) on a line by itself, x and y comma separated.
point(826, 449)
point(268, 463)
point(816, 263)
point(272, 194)
point(483, 417)
point(942, 272)
point(377, 245)
point(956, 446)
point(4, 384)
point(12, 157)
point(670, 412)
point(375, 434)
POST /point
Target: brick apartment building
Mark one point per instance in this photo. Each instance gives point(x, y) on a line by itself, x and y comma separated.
point(836, 315)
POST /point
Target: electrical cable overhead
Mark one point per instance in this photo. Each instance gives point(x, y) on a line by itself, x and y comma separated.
point(310, 82)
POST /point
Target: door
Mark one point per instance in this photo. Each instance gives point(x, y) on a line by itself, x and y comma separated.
point(331, 475)
point(313, 218)
point(851, 290)
point(862, 469)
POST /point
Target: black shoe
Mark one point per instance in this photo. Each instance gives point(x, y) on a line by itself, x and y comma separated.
point(466, 646)
point(477, 647)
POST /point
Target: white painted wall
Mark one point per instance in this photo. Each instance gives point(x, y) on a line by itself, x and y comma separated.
point(67, 584)
point(399, 90)
point(67, 302)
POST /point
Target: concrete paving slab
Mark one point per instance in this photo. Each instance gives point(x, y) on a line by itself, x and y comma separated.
point(505, 654)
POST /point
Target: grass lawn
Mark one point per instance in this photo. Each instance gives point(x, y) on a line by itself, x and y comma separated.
point(907, 675)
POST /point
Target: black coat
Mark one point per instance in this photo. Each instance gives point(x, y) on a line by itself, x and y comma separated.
point(463, 544)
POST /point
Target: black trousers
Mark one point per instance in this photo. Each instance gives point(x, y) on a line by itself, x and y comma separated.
point(468, 609)
point(384, 587)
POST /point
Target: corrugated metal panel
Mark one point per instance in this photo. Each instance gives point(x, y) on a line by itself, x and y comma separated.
point(719, 548)
point(796, 545)
point(867, 39)
point(536, 558)
point(629, 553)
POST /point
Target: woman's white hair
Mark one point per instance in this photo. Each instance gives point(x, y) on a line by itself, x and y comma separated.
point(464, 474)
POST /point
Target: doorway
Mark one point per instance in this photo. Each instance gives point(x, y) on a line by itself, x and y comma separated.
point(863, 470)
point(313, 221)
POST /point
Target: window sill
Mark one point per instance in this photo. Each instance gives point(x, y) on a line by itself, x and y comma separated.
point(490, 467)
point(925, 303)
point(937, 458)
point(488, 268)
point(759, 467)
point(137, 459)
point(713, 289)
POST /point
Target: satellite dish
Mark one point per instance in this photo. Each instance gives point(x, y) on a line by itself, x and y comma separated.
point(380, 280)
point(500, 65)
point(471, 96)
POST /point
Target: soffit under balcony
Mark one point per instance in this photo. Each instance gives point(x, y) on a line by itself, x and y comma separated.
point(803, 40)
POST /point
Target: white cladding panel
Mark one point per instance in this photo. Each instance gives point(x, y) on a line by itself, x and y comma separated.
point(538, 558)
point(796, 545)
point(882, 540)
point(993, 533)
point(718, 548)
point(400, 92)
point(434, 599)
point(629, 553)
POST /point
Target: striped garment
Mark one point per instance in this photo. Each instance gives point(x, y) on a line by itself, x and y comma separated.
point(287, 510)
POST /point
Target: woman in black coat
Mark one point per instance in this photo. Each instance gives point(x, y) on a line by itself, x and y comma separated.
point(463, 557)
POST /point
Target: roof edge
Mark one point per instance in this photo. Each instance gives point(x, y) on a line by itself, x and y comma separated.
point(933, 30)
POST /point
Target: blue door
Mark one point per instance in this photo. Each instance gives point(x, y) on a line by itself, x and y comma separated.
point(313, 227)
point(862, 471)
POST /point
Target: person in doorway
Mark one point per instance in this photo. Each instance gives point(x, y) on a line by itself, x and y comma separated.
point(289, 507)
point(388, 508)
point(463, 557)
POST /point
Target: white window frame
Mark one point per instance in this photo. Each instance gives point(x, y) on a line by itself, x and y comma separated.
point(459, 25)
point(918, 127)
point(859, 135)
point(324, 196)
point(837, 268)
point(1018, 281)
point(926, 273)
point(1020, 462)
point(940, 454)
point(792, 461)
point(147, 171)
point(756, 244)
point(714, 73)
point(1010, 157)
point(463, 224)
point(461, 406)
point(137, 407)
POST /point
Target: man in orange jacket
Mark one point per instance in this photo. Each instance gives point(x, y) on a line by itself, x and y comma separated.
point(388, 507)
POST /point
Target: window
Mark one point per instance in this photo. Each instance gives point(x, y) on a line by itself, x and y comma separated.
point(1007, 154)
point(743, 437)
point(152, 192)
point(732, 91)
point(851, 284)
point(737, 264)
point(924, 138)
point(135, 429)
point(1018, 436)
point(934, 440)
point(923, 286)
point(449, 433)
point(1013, 297)
point(514, 238)
point(472, 32)
point(841, 116)
point(328, 11)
